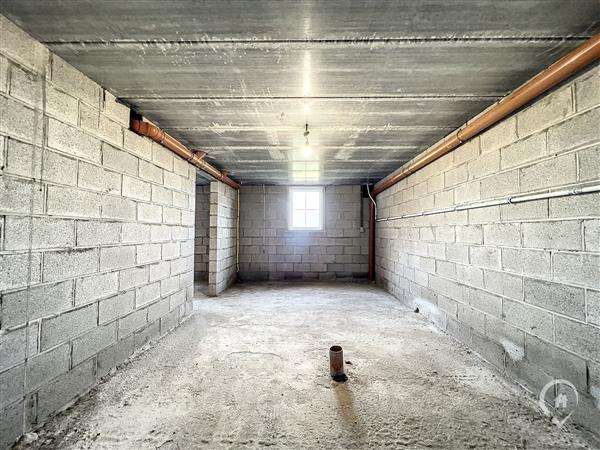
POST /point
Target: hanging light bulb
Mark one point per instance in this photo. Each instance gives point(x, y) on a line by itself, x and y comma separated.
point(306, 150)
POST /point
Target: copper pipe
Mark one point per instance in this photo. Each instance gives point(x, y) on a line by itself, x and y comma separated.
point(237, 234)
point(157, 135)
point(568, 65)
point(565, 67)
point(372, 241)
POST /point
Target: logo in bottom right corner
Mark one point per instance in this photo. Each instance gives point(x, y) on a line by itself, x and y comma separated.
point(563, 397)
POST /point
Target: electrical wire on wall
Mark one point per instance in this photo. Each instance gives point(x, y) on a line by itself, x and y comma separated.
point(372, 199)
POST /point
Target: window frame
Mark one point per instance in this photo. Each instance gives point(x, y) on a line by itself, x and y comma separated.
point(291, 190)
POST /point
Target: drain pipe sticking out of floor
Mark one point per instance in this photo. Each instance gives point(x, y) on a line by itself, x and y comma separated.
point(336, 364)
point(572, 63)
point(147, 129)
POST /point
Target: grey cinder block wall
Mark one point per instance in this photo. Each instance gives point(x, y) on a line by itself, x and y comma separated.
point(519, 283)
point(222, 270)
point(96, 228)
point(202, 224)
point(270, 251)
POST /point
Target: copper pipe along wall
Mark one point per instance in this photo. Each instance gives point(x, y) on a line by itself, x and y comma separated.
point(565, 67)
point(570, 64)
point(237, 235)
point(158, 135)
point(371, 241)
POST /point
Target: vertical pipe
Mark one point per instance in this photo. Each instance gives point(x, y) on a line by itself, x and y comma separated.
point(372, 242)
point(336, 363)
point(237, 234)
point(362, 219)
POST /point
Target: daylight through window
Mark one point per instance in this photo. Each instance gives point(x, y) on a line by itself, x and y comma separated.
point(306, 208)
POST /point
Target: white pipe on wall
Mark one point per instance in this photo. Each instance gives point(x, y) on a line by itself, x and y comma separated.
point(504, 201)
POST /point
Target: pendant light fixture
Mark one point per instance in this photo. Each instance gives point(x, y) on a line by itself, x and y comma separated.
point(306, 150)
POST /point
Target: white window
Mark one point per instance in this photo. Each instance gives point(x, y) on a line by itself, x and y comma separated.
point(306, 208)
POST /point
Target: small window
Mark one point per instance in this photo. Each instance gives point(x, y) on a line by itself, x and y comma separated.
point(306, 208)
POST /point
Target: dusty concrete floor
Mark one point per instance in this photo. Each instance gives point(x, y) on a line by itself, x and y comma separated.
point(250, 370)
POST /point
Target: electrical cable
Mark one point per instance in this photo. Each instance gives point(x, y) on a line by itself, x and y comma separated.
point(373, 200)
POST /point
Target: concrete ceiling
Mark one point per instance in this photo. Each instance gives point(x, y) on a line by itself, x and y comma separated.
point(377, 81)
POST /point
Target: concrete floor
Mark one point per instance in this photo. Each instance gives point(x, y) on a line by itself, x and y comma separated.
point(250, 370)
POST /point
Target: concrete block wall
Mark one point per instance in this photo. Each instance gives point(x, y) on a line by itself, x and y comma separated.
point(270, 251)
point(222, 270)
point(519, 283)
point(201, 242)
point(96, 234)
